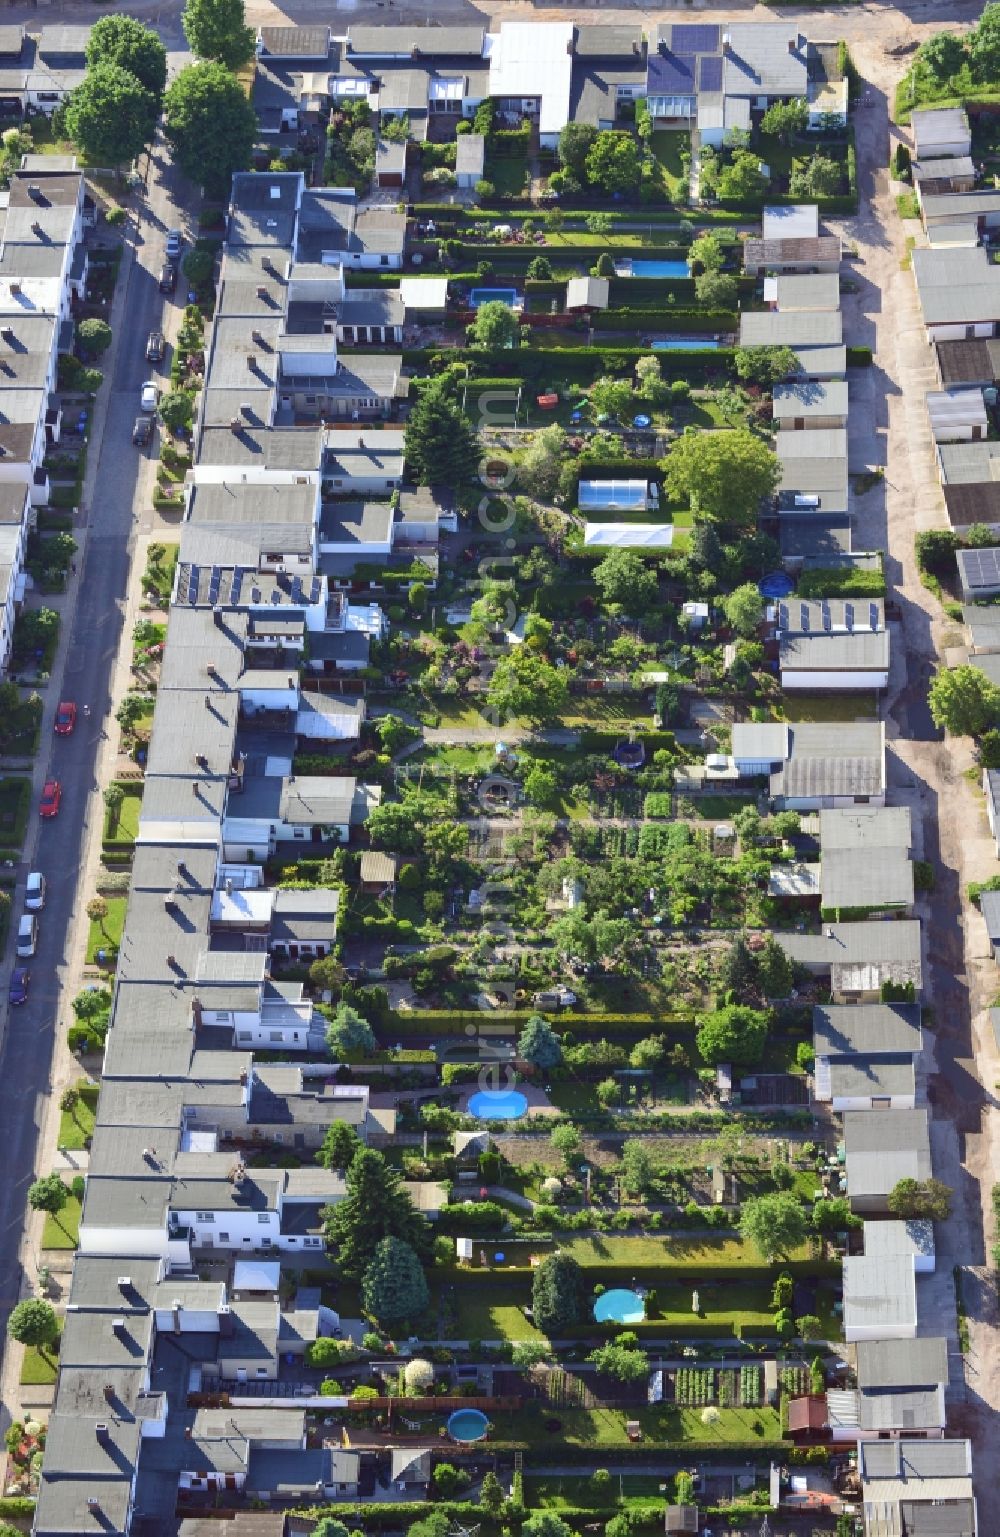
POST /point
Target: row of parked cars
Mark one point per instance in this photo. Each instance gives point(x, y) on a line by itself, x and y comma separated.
point(34, 893)
point(149, 399)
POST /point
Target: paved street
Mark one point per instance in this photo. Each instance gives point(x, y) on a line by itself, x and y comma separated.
point(35, 1064)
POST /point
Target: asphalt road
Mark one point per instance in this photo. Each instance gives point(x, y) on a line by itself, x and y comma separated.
point(120, 498)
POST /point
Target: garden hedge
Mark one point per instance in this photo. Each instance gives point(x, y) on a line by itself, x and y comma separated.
point(684, 320)
point(859, 357)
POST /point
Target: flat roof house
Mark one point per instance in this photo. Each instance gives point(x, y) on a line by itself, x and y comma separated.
point(791, 253)
point(802, 404)
point(923, 1488)
point(833, 644)
point(860, 958)
point(940, 133)
point(812, 766)
point(881, 1148)
point(979, 573)
point(880, 1298)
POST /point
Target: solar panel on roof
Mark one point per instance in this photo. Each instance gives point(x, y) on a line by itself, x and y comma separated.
point(804, 617)
point(783, 615)
point(849, 615)
point(668, 72)
point(710, 72)
point(873, 616)
point(214, 585)
point(234, 592)
point(193, 585)
point(695, 37)
point(827, 619)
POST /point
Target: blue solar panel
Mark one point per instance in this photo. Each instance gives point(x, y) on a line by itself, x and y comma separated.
point(690, 37)
point(667, 73)
point(710, 72)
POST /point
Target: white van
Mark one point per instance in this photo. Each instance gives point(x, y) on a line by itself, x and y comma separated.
point(34, 894)
point(27, 935)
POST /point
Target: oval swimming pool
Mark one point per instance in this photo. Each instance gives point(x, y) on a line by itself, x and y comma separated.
point(498, 1104)
point(619, 1306)
point(468, 1425)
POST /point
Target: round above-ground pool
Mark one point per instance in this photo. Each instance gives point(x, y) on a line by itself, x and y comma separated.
point(619, 1306)
point(468, 1425)
point(498, 1104)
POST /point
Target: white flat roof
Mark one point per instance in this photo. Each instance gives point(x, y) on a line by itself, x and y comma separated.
point(533, 58)
point(256, 1275)
point(629, 536)
point(794, 221)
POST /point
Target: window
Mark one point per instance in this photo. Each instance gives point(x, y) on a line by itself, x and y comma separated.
point(223, 1237)
point(263, 1216)
point(279, 1136)
point(384, 261)
point(245, 1035)
point(262, 1371)
point(275, 1035)
point(205, 1216)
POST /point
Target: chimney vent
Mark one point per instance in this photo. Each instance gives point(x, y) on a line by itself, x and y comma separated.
point(36, 228)
point(93, 1505)
point(118, 1325)
point(35, 192)
point(109, 1393)
point(101, 1432)
point(194, 787)
point(251, 362)
point(125, 1281)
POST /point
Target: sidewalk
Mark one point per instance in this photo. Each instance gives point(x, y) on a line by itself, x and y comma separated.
point(65, 1069)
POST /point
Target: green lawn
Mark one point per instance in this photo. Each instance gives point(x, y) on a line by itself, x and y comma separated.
point(508, 173)
point(831, 709)
point(667, 146)
point(75, 1126)
point(37, 1371)
point(107, 935)
point(600, 1428)
point(15, 796)
point(480, 1318)
point(719, 808)
point(63, 1232)
point(158, 576)
point(126, 826)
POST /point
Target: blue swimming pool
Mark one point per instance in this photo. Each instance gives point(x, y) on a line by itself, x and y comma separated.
point(658, 269)
point(480, 296)
point(468, 1425)
point(619, 1306)
point(687, 344)
point(498, 1104)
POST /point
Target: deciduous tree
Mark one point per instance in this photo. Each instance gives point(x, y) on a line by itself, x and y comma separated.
point(914, 1198)
point(765, 365)
point(784, 119)
point(122, 40)
point(217, 29)
point(774, 1224)
point(744, 608)
point(626, 581)
point(524, 684)
point(733, 1034)
point(724, 475)
point(613, 162)
point(349, 1032)
point(110, 114)
point(210, 125)
point(964, 701)
point(34, 1322)
point(495, 327)
point(340, 1143)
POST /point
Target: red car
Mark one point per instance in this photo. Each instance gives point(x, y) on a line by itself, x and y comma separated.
point(65, 718)
point(51, 796)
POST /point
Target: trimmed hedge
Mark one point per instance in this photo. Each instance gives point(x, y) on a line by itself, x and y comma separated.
point(859, 357)
point(685, 320)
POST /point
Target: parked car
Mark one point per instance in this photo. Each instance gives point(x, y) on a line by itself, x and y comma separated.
point(142, 431)
point(20, 979)
point(168, 278)
point(174, 242)
point(149, 398)
point(27, 935)
point(34, 893)
point(48, 806)
point(65, 718)
point(154, 347)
